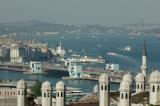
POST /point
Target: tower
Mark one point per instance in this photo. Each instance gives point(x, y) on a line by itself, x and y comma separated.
point(127, 78)
point(60, 94)
point(21, 93)
point(154, 81)
point(140, 82)
point(46, 94)
point(144, 61)
point(104, 90)
point(125, 94)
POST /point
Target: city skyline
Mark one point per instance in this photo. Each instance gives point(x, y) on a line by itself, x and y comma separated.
point(81, 12)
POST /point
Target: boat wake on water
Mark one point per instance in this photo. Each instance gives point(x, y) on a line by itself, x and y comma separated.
point(122, 56)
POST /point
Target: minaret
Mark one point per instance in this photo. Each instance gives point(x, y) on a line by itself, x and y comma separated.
point(104, 90)
point(60, 44)
point(144, 61)
point(21, 93)
point(125, 94)
point(46, 94)
point(140, 82)
point(154, 97)
point(60, 94)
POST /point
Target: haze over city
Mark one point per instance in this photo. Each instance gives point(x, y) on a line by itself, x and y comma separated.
point(81, 11)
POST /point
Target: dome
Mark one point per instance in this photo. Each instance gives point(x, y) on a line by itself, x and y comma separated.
point(127, 78)
point(124, 86)
point(21, 84)
point(155, 77)
point(103, 78)
point(60, 86)
point(46, 86)
point(140, 78)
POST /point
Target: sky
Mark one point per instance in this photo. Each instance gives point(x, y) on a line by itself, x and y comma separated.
point(102, 12)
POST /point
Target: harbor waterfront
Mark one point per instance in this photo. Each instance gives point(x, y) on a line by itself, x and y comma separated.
point(53, 77)
point(105, 46)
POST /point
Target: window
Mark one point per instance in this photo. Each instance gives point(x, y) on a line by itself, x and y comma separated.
point(44, 94)
point(105, 87)
point(101, 87)
point(126, 95)
point(61, 94)
point(48, 94)
point(158, 89)
point(122, 96)
point(137, 86)
point(18, 92)
point(141, 86)
point(22, 93)
point(153, 88)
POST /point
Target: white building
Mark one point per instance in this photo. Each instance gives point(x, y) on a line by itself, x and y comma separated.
point(15, 55)
point(60, 94)
point(140, 82)
point(125, 95)
point(21, 93)
point(46, 94)
point(36, 67)
point(104, 90)
point(154, 95)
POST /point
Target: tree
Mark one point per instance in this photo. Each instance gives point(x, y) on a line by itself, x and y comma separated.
point(36, 89)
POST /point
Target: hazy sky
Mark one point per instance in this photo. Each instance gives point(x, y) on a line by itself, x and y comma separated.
point(81, 11)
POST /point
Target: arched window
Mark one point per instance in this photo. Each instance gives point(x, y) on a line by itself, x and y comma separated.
point(137, 86)
point(121, 95)
point(101, 87)
point(105, 87)
point(126, 95)
point(22, 93)
point(158, 89)
point(61, 94)
point(44, 94)
point(141, 86)
point(153, 88)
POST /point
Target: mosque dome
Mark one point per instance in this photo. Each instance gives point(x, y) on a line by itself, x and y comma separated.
point(155, 77)
point(21, 84)
point(104, 78)
point(140, 78)
point(127, 78)
point(124, 86)
point(46, 86)
point(60, 85)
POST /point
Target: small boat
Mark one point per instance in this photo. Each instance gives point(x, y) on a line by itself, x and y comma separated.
point(127, 48)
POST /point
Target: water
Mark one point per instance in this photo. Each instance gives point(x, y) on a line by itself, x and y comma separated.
point(87, 45)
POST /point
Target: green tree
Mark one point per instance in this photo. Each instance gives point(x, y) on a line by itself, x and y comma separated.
point(36, 89)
